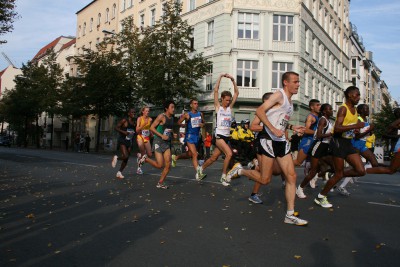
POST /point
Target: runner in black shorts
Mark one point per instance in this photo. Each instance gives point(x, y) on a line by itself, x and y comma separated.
point(320, 147)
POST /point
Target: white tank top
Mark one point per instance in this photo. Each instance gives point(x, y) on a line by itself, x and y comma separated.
point(328, 129)
point(223, 121)
point(279, 117)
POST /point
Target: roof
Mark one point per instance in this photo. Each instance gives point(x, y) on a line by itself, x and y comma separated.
point(72, 42)
point(43, 51)
point(85, 6)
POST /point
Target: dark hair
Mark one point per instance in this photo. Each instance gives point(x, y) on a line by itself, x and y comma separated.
point(349, 90)
point(396, 112)
point(323, 108)
point(312, 102)
point(193, 99)
point(286, 75)
point(226, 93)
point(360, 107)
point(266, 96)
point(167, 103)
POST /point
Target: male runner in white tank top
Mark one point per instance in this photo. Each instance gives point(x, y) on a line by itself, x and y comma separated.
point(275, 114)
point(222, 132)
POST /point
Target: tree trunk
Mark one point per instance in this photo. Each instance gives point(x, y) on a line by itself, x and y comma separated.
point(52, 131)
point(98, 135)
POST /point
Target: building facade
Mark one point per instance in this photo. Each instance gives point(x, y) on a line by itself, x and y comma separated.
point(256, 41)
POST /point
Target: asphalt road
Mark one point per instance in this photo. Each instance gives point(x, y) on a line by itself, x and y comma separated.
point(67, 209)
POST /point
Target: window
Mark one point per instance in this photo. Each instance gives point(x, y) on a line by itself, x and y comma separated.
point(248, 26)
point(209, 84)
point(314, 9)
point(142, 21)
point(192, 4)
point(278, 69)
point(307, 40)
point(91, 25)
point(321, 51)
point(114, 11)
point(315, 48)
point(84, 29)
point(283, 28)
point(98, 19)
point(306, 93)
point(130, 4)
point(210, 33)
point(313, 87)
point(153, 17)
point(107, 15)
point(326, 59)
point(123, 5)
point(330, 63)
point(247, 73)
point(354, 66)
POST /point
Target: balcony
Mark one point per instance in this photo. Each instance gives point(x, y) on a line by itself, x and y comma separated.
point(249, 92)
point(252, 44)
point(283, 46)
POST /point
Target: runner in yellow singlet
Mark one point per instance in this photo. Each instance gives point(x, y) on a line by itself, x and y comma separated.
point(143, 137)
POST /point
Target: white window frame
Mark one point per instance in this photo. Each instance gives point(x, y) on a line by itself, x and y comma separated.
point(98, 19)
point(281, 68)
point(153, 17)
point(107, 15)
point(306, 93)
point(248, 22)
point(91, 24)
point(210, 33)
point(247, 67)
point(114, 11)
point(279, 25)
point(191, 5)
point(209, 78)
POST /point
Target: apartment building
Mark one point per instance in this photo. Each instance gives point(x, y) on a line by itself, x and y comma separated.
point(55, 128)
point(256, 41)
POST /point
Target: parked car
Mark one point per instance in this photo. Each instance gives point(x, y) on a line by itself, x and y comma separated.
point(5, 141)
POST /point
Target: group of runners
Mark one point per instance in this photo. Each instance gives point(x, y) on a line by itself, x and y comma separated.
point(322, 142)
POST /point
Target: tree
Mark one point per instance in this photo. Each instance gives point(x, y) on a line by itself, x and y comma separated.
point(7, 17)
point(169, 65)
point(382, 120)
point(103, 91)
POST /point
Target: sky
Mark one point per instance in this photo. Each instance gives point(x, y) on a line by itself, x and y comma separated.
point(42, 21)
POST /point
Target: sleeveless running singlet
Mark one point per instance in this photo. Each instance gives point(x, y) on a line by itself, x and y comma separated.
point(193, 126)
point(223, 121)
point(279, 117)
point(165, 129)
point(349, 119)
point(327, 129)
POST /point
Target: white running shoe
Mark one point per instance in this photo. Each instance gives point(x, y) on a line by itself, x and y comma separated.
point(291, 219)
point(223, 180)
point(142, 160)
point(300, 192)
point(119, 175)
point(114, 161)
point(139, 171)
point(234, 172)
point(313, 181)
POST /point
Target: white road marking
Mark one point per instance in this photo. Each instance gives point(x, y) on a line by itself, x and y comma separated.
point(182, 178)
point(383, 204)
point(73, 163)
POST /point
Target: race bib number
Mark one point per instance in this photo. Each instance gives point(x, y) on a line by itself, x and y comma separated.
point(168, 132)
point(284, 122)
point(131, 133)
point(146, 133)
point(225, 123)
point(196, 121)
point(349, 134)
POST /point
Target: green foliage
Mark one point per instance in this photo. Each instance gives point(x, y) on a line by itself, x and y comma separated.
point(383, 119)
point(169, 66)
point(7, 17)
